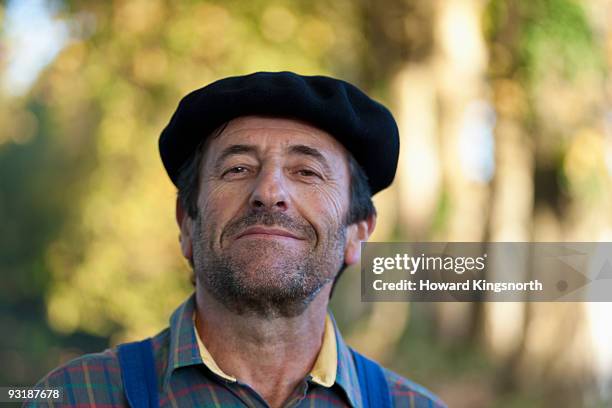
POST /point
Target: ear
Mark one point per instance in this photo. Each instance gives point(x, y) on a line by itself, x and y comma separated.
point(185, 224)
point(356, 233)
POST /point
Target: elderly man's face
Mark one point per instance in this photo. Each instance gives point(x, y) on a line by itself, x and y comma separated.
point(271, 233)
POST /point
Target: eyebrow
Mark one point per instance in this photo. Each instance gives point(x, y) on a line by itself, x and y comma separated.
point(312, 152)
point(234, 150)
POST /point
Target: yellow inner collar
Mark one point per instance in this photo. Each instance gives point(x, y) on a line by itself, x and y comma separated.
point(323, 372)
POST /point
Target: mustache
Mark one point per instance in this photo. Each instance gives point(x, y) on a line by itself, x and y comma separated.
point(269, 219)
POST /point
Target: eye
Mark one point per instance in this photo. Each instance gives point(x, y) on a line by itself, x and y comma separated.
point(308, 173)
point(236, 170)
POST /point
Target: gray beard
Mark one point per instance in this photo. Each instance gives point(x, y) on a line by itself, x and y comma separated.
point(284, 289)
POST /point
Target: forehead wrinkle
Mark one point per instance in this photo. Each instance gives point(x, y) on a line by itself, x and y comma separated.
point(319, 137)
point(314, 132)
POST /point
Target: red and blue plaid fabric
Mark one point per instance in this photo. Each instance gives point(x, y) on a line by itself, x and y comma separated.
point(94, 380)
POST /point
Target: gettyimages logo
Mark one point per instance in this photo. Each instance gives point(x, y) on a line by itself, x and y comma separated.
point(413, 264)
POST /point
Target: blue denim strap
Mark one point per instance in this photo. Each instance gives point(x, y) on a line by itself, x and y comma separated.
point(372, 382)
point(138, 374)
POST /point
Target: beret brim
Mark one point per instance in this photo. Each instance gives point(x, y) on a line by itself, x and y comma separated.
point(363, 126)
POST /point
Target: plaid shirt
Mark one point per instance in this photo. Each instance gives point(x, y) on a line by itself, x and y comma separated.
point(185, 380)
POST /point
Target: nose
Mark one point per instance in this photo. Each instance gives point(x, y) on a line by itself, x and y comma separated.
point(269, 191)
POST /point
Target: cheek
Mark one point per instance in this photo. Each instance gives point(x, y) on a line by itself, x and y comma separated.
point(323, 207)
point(218, 205)
point(215, 195)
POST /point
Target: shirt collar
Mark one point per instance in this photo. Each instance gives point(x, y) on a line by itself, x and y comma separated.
point(346, 376)
point(325, 367)
point(323, 372)
point(183, 350)
point(334, 364)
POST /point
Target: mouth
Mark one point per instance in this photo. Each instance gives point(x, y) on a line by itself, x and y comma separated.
point(263, 232)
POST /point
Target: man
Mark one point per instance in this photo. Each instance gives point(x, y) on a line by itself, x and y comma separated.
point(275, 173)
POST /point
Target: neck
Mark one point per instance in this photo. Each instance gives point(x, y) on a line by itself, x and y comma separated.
point(272, 355)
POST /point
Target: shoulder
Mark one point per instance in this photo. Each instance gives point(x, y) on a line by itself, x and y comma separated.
point(407, 393)
point(84, 367)
point(95, 379)
point(89, 379)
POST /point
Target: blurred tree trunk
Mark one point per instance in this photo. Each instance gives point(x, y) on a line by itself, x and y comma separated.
point(395, 53)
point(459, 63)
point(543, 345)
point(435, 57)
point(598, 314)
point(511, 206)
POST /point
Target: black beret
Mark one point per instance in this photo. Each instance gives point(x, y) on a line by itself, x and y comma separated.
point(365, 127)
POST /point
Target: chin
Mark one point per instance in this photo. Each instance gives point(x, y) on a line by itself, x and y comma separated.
point(262, 254)
point(270, 273)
